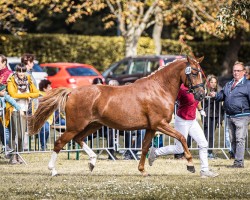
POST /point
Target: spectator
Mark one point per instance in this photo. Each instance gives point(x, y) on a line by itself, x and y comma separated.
point(5, 73)
point(113, 82)
point(28, 61)
point(97, 81)
point(212, 109)
point(186, 123)
point(21, 87)
point(227, 138)
point(236, 97)
point(59, 118)
point(44, 87)
point(6, 98)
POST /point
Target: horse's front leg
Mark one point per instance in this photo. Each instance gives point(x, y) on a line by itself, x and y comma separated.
point(145, 146)
point(169, 130)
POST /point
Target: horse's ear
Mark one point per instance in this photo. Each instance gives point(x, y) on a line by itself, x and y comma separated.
point(199, 60)
point(189, 59)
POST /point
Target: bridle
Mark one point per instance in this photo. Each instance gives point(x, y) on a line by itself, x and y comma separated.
point(189, 73)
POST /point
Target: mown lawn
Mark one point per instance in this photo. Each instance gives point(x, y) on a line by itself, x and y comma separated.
point(120, 180)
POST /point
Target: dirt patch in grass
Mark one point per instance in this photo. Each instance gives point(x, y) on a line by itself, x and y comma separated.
point(120, 180)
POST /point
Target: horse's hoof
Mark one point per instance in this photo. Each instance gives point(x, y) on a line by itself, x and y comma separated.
point(54, 172)
point(191, 169)
point(91, 167)
point(50, 167)
point(145, 174)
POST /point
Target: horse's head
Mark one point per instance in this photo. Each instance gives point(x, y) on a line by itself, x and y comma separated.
point(193, 78)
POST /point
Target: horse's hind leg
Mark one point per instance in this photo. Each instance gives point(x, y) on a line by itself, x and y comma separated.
point(59, 144)
point(79, 139)
point(145, 146)
point(89, 151)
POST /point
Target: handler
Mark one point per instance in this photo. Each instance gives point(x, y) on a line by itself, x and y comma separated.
point(186, 123)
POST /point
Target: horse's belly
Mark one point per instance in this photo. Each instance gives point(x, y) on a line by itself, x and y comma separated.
point(124, 121)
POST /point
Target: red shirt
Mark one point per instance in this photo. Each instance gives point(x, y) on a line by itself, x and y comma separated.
point(187, 104)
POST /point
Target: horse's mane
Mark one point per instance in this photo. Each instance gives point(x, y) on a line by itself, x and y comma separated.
point(162, 67)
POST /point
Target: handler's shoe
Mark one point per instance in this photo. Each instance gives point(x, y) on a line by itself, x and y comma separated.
point(209, 173)
point(19, 159)
point(13, 160)
point(152, 156)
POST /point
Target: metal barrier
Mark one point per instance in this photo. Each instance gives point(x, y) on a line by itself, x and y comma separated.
point(105, 139)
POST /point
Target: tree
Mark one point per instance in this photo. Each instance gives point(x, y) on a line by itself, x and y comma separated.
point(232, 13)
point(234, 23)
point(158, 27)
point(132, 16)
point(13, 13)
point(227, 20)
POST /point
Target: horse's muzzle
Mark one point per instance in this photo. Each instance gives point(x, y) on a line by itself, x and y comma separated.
point(199, 95)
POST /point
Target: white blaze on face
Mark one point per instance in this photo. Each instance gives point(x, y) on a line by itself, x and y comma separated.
point(200, 74)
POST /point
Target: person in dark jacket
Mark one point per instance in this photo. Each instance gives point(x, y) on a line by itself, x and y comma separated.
point(236, 97)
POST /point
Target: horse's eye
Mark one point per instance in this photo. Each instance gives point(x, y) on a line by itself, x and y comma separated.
point(195, 74)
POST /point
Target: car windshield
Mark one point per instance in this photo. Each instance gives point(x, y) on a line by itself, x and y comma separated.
point(107, 71)
point(167, 60)
point(81, 71)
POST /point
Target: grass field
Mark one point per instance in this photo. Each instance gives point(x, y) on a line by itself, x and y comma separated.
point(120, 180)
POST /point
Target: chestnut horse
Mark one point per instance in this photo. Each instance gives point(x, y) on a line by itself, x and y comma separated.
point(147, 104)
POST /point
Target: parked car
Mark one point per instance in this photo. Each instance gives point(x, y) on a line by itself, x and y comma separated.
point(37, 71)
point(70, 75)
point(129, 69)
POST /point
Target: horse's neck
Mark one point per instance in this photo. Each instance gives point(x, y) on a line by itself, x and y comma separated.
point(170, 77)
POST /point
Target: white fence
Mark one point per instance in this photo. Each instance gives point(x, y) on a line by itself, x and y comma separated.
point(105, 139)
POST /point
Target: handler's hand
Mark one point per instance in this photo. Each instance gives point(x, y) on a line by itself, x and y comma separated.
point(203, 113)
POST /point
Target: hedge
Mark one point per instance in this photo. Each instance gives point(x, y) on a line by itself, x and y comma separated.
point(102, 51)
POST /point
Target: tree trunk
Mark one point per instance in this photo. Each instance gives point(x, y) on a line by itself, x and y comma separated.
point(131, 41)
point(133, 21)
point(231, 55)
point(158, 26)
point(131, 46)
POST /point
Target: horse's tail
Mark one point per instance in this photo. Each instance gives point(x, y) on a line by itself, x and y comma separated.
point(53, 100)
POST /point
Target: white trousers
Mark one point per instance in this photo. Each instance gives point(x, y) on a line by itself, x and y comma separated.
point(192, 128)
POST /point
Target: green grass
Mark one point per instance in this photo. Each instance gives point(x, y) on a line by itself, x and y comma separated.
point(120, 180)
